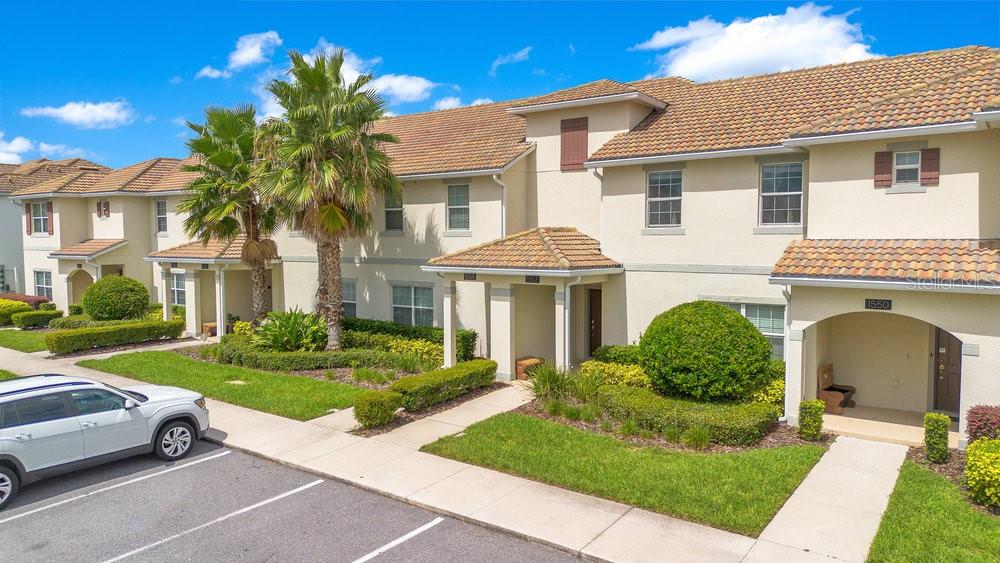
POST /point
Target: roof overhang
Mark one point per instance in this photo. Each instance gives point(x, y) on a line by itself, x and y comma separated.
point(521, 271)
point(102, 252)
point(466, 173)
point(937, 129)
point(49, 195)
point(189, 260)
point(988, 118)
point(937, 285)
point(637, 97)
point(676, 157)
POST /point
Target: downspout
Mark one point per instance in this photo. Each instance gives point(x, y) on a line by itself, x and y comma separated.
point(503, 205)
point(787, 294)
point(567, 307)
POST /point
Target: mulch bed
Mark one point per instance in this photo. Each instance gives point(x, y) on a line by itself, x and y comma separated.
point(780, 435)
point(122, 348)
point(405, 417)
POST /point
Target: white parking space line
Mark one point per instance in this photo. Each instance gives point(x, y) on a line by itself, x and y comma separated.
point(115, 486)
point(216, 521)
point(400, 540)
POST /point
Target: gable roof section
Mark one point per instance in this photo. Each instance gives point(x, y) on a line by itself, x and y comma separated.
point(600, 91)
point(543, 248)
point(176, 180)
point(137, 178)
point(196, 251)
point(87, 249)
point(36, 171)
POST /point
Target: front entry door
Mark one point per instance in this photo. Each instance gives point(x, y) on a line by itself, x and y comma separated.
point(594, 298)
point(947, 371)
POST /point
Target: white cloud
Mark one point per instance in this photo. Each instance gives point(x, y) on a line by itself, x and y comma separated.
point(87, 115)
point(208, 71)
point(481, 101)
point(354, 65)
point(268, 105)
point(179, 121)
point(12, 151)
point(448, 102)
point(403, 87)
point(253, 48)
point(801, 37)
point(61, 151)
point(509, 58)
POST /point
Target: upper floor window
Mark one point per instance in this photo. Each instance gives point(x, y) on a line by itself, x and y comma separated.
point(413, 306)
point(458, 208)
point(350, 298)
point(572, 143)
point(906, 167)
point(393, 212)
point(43, 284)
point(178, 294)
point(781, 194)
point(161, 216)
point(39, 217)
point(663, 198)
point(103, 209)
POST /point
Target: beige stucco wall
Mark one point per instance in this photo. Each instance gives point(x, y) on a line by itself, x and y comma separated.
point(843, 202)
point(174, 236)
point(535, 321)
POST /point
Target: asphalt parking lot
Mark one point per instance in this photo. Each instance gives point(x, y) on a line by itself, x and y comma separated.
point(223, 505)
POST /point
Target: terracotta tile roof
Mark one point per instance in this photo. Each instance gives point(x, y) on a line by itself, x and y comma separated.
point(544, 248)
point(36, 171)
point(139, 177)
point(594, 89)
point(992, 105)
point(88, 248)
point(178, 179)
point(196, 250)
point(763, 110)
point(960, 260)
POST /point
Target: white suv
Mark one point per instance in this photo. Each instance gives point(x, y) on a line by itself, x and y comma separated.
point(52, 424)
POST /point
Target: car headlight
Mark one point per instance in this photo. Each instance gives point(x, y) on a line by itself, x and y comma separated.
point(200, 402)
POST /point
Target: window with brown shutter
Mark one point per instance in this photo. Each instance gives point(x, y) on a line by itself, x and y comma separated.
point(106, 206)
point(48, 208)
point(883, 169)
point(930, 166)
point(27, 218)
point(573, 143)
point(99, 212)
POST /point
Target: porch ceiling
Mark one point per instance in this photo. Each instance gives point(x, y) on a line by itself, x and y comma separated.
point(87, 249)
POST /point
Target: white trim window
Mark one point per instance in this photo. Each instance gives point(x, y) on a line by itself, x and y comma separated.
point(457, 215)
point(349, 300)
point(906, 167)
point(178, 292)
point(769, 320)
point(161, 215)
point(663, 198)
point(393, 213)
point(43, 284)
point(413, 305)
point(39, 218)
point(781, 193)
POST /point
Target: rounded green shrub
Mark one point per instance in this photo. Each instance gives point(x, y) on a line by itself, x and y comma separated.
point(114, 298)
point(936, 427)
point(704, 350)
point(982, 469)
point(811, 419)
point(375, 408)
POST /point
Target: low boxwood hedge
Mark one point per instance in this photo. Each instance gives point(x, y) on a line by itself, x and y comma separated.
point(375, 408)
point(612, 373)
point(618, 354)
point(35, 319)
point(731, 424)
point(237, 349)
point(465, 339)
point(430, 352)
point(75, 339)
point(84, 320)
point(9, 307)
point(440, 385)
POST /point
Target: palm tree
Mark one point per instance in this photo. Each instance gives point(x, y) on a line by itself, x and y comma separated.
point(223, 202)
point(325, 163)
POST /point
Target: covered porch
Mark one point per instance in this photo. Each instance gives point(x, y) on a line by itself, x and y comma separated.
point(87, 261)
point(544, 297)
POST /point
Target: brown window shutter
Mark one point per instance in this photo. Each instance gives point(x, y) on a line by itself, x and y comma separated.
point(48, 207)
point(930, 167)
point(883, 169)
point(573, 143)
point(98, 210)
point(27, 218)
point(107, 208)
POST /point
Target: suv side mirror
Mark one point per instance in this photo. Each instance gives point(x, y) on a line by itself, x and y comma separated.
point(130, 404)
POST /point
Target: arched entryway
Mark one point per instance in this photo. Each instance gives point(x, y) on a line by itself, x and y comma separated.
point(79, 281)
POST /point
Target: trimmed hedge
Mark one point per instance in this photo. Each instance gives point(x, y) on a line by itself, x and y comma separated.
point(75, 339)
point(82, 321)
point(76, 309)
point(35, 319)
point(238, 350)
point(375, 408)
point(9, 307)
point(811, 419)
point(438, 386)
point(731, 424)
point(936, 427)
point(429, 352)
point(465, 339)
point(33, 300)
point(982, 422)
point(982, 470)
point(616, 374)
point(618, 354)
point(115, 297)
point(49, 306)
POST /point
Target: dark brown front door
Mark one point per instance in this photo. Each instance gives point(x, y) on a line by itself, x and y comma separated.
point(947, 371)
point(594, 297)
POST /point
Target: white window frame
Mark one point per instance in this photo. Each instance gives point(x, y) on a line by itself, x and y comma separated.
point(449, 207)
point(895, 168)
point(40, 222)
point(157, 216)
point(413, 302)
point(43, 289)
point(769, 334)
point(393, 209)
point(178, 292)
point(345, 301)
point(763, 196)
point(650, 200)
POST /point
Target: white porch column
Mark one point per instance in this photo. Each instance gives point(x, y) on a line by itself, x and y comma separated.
point(793, 374)
point(165, 300)
point(192, 302)
point(562, 329)
point(450, 320)
point(220, 302)
point(485, 351)
point(502, 329)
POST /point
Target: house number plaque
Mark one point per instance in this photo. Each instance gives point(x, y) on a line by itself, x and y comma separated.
point(878, 304)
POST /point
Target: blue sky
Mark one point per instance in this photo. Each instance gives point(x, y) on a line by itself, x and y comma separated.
point(115, 82)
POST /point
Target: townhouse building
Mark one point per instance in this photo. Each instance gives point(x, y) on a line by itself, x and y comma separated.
point(851, 212)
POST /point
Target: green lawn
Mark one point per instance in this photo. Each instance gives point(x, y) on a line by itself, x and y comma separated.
point(929, 519)
point(292, 396)
point(739, 492)
point(23, 340)
point(4, 374)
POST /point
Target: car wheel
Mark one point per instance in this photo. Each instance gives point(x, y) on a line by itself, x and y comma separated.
point(9, 485)
point(174, 440)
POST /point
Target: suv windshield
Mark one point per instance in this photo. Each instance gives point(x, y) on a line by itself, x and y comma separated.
point(137, 396)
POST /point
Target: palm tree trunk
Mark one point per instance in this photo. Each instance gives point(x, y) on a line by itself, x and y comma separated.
point(258, 286)
point(329, 293)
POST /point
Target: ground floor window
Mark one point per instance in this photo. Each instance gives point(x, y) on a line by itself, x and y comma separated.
point(43, 285)
point(350, 298)
point(769, 320)
point(412, 305)
point(178, 294)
